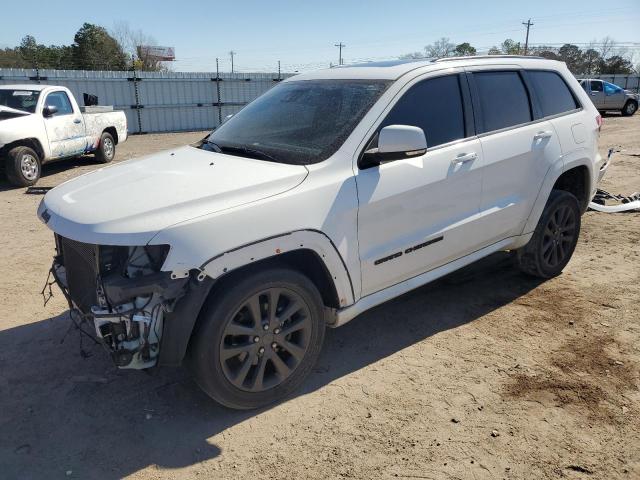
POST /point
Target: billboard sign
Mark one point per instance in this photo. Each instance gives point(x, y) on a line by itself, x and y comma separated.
point(162, 54)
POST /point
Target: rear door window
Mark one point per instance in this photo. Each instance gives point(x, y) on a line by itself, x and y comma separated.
point(553, 93)
point(503, 99)
point(435, 105)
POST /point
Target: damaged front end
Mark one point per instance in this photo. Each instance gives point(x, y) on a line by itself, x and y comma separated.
point(122, 292)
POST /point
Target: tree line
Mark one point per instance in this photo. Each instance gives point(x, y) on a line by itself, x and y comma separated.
point(96, 48)
point(604, 57)
point(93, 48)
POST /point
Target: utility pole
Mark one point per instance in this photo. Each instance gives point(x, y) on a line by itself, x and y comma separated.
point(340, 47)
point(232, 53)
point(526, 42)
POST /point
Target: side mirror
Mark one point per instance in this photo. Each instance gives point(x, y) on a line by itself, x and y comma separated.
point(49, 111)
point(396, 142)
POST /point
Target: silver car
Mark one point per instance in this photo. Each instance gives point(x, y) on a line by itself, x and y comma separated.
point(607, 96)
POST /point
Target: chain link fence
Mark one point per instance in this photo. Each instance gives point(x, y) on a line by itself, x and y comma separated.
point(158, 101)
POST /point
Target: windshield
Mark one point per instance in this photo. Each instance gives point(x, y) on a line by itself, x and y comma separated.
point(20, 99)
point(299, 122)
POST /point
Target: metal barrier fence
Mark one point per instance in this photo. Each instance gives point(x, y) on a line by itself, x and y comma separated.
point(158, 101)
point(628, 82)
point(180, 101)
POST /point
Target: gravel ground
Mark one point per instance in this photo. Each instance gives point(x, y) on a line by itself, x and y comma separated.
point(483, 374)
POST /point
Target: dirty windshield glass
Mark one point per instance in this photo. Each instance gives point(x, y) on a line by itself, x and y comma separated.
point(299, 122)
point(20, 99)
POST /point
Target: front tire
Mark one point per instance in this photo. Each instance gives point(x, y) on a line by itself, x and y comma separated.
point(629, 108)
point(106, 149)
point(258, 338)
point(554, 238)
point(23, 167)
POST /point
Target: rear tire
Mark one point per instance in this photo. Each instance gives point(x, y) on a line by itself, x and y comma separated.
point(258, 338)
point(23, 167)
point(629, 108)
point(106, 149)
point(554, 238)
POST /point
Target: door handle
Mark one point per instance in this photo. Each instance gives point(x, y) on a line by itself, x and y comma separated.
point(464, 158)
point(593, 94)
point(542, 134)
point(77, 120)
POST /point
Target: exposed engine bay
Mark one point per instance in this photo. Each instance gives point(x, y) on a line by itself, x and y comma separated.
point(122, 292)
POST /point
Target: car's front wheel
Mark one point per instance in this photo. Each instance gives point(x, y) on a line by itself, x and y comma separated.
point(629, 108)
point(554, 238)
point(258, 338)
point(23, 166)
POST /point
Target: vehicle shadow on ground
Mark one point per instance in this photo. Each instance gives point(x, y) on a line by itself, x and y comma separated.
point(60, 411)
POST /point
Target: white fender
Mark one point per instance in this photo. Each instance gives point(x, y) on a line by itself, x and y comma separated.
point(273, 246)
point(549, 181)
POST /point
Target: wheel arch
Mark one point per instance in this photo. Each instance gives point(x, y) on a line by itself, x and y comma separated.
point(577, 181)
point(576, 177)
point(309, 252)
point(113, 132)
point(32, 143)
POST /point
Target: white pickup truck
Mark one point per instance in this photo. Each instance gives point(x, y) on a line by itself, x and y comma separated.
point(40, 123)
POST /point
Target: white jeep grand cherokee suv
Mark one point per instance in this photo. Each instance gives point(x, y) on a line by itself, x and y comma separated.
point(333, 192)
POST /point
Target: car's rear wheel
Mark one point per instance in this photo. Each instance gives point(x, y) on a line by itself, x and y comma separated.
point(554, 238)
point(629, 108)
point(107, 149)
point(23, 166)
point(258, 338)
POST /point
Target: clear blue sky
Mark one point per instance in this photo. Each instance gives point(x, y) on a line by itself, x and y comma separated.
point(302, 33)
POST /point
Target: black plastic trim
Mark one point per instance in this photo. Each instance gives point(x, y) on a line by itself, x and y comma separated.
point(344, 265)
point(179, 323)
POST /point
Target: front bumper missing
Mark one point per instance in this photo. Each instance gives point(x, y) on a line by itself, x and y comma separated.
point(128, 319)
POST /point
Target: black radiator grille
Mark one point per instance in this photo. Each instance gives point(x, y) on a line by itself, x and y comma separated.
point(81, 265)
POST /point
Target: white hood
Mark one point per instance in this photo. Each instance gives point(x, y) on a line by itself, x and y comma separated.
point(128, 203)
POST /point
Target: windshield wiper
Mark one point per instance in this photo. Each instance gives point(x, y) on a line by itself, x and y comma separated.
point(251, 152)
point(214, 146)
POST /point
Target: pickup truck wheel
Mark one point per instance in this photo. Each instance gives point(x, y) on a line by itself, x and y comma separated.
point(107, 149)
point(629, 108)
point(23, 166)
point(554, 238)
point(258, 339)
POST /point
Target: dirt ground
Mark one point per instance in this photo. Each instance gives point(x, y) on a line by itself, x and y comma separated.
point(483, 374)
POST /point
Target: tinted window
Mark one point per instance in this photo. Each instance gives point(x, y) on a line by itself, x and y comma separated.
point(434, 105)
point(503, 99)
point(610, 88)
point(60, 101)
point(596, 86)
point(554, 95)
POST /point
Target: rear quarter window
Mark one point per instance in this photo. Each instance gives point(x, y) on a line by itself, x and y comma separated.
point(554, 95)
